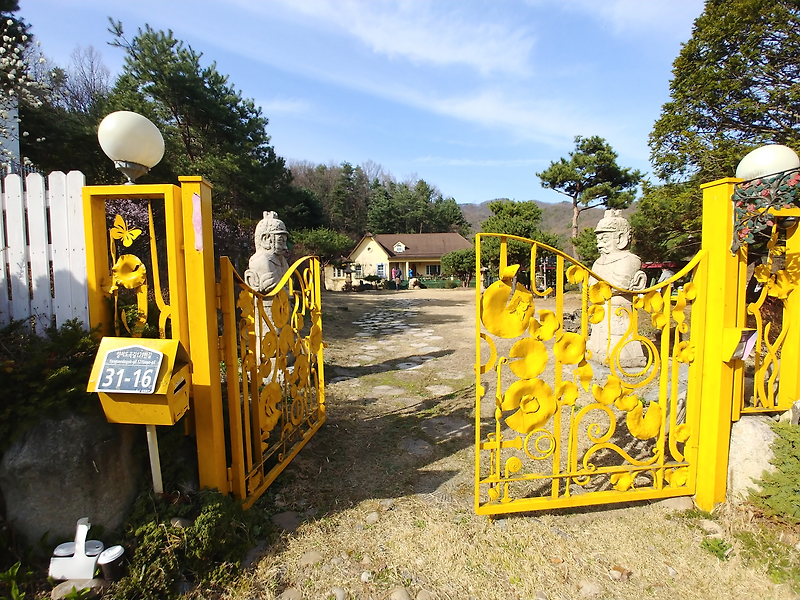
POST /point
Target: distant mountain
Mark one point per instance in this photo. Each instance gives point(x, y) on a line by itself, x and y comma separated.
point(556, 217)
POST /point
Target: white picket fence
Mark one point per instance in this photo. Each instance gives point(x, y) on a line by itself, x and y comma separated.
point(43, 270)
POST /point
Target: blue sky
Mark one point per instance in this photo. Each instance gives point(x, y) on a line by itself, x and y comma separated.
point(473, 97)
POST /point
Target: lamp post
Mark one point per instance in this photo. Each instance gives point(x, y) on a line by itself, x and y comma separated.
point(772, 175)
point(132, 142)
point(135, 145)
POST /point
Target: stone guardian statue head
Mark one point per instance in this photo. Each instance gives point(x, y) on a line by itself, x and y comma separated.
point(271, 234)
point(613, 232)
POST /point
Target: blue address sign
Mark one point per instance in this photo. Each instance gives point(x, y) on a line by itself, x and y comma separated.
point(130, 370)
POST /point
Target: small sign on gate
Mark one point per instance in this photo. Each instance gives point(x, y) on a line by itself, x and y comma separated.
point(130, 370)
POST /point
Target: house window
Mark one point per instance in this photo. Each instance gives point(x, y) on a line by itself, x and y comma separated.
point(398, 247)
point(338, 273)
point(381, 270)
point(433, 269)
point(359, 273)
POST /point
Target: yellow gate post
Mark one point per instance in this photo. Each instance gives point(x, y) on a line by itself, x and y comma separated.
point(724, 308)
point(201, 292)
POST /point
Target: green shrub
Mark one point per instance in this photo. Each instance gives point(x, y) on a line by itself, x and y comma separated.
point(167, 560)
point(43, 376)
point(780, 490)
point(450, 284)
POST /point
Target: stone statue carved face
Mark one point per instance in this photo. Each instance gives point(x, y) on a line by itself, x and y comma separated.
point(271, 236)
point(612, 241)
point(273, 243)
point(279, 243)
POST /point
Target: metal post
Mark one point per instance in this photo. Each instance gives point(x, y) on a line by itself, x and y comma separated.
point(155, 462)
point(203, 333)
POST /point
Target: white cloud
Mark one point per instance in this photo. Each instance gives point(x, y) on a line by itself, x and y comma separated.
point(552, 123)
point(644, 16)
point(419, 33)
point(284, 106)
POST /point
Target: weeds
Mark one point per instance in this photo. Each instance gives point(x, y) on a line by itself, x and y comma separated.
point(782, 563)
point(718, 547)
point(13, 581)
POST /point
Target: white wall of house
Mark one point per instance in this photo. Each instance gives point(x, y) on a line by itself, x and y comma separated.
point(369, 258)
point(335, 278)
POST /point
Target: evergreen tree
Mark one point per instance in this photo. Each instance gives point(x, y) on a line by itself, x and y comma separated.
point(209, 129)
point(513, 218)
point(421, 208)
point(461, 264)
point(586, 246)
point(667, 224)
point(591, 178)
point(346, 205)
point(735, 86)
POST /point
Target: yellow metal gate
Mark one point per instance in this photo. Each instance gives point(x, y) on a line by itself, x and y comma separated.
point(271, 344)
point(554, 428)
point(272, 348)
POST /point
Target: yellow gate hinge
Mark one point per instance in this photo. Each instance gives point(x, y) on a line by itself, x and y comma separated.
point(221, 342)
point(218, 294)
point(230, 479)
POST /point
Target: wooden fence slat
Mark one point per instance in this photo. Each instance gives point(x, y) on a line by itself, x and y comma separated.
point(59, 215)
point(17, 251)
point(77, 244)
point(5, 279)
point(41, 306)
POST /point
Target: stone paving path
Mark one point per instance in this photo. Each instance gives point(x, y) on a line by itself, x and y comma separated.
point(391, 338)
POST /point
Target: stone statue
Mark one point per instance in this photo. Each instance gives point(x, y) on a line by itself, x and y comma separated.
point(621, 268)
point(270, 262)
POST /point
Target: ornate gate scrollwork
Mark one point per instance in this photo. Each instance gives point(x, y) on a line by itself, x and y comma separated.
point(272, 345)
point(557, 427)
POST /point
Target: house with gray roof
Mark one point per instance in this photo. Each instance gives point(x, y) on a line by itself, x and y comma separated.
point(415, 254)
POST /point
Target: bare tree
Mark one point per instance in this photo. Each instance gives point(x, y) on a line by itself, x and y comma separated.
point(375, 171)
point(88, 79)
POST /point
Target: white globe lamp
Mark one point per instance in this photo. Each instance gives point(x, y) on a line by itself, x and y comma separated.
point(132, 142)
point(767, 160)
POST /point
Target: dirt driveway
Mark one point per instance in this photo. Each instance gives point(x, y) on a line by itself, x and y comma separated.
point(379, 504)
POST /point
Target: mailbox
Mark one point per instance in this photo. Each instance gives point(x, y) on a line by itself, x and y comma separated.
point(142, 381)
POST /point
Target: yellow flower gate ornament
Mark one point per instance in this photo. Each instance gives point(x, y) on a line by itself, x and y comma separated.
point(555, 428)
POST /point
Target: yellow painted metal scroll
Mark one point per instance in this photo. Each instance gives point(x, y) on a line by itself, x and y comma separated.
point(272, 346)
point(554, 428)
point(774, 312)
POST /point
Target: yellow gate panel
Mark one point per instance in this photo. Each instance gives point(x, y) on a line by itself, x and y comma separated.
point(555, 428)
point(272, 347)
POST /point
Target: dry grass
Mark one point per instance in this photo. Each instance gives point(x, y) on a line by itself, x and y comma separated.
point(426, 544)
point(427, 537)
